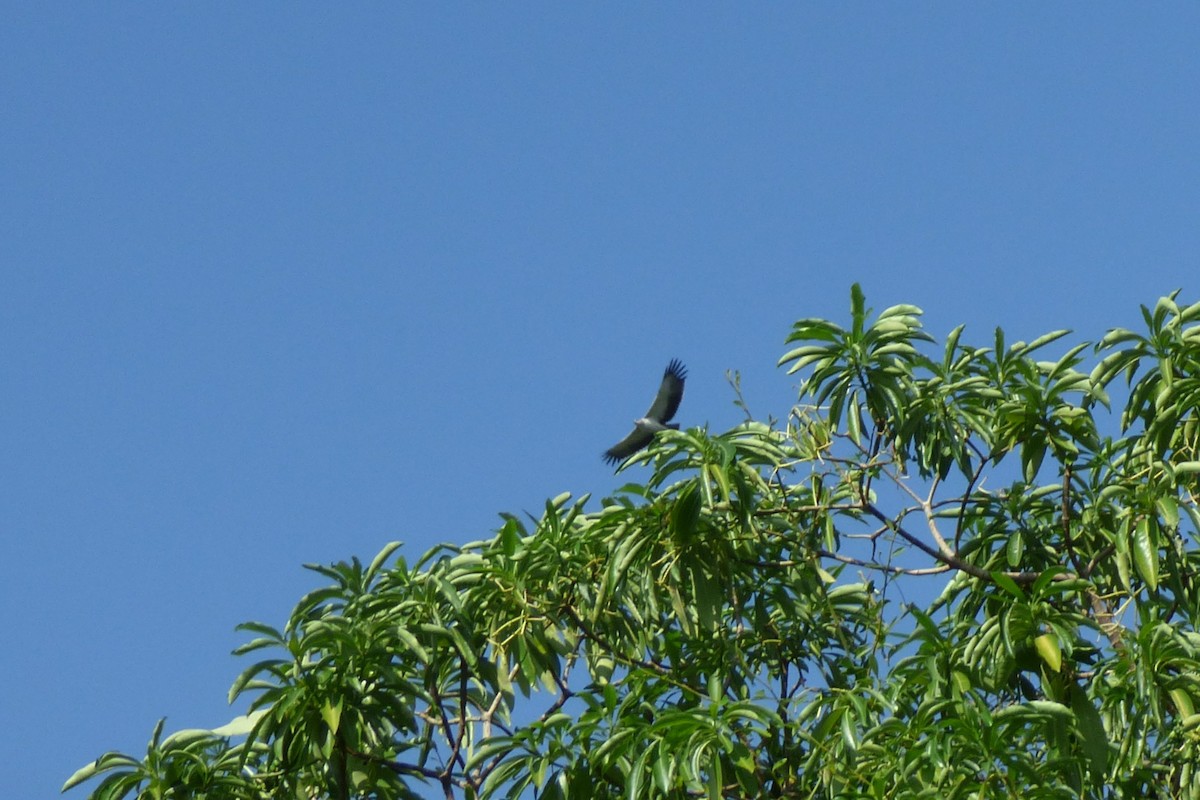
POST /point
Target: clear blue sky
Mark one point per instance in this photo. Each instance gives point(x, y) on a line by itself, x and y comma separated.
point(284, 282)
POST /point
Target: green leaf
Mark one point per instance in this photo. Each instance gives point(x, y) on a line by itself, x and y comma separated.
point(1008, 584)
point(240, 725)
point(380, 559)
point(104, 763)
point(1033, 451)
point(1042, 341)
point(1014, 549)
point(1091, 729)
point(411, 642)
point(1184, 707)
point(1168, 509)
point(493, 746)
point(715, 780)
point(1145, 550)
point(247, 675)
point(331, 712)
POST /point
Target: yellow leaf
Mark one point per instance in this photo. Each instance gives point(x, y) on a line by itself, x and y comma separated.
point(1048, 649)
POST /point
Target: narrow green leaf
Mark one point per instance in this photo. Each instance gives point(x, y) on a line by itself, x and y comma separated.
point(412, 644)
point(1123, 572)
point(1184, 707)
point(1008, 584)
point(900, 311)
point(1091, 729)
point(1145, 550)
point(240, 725)
point(715, 780)
point(1033, 451)
point(102, 764)
point(1014, 549)
point(1043, 340)
point(379, 560)
point(664, 769)
point(249, 673)
point(1168, 509)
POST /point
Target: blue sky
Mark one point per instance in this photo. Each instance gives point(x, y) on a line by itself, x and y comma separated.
point(282, 283)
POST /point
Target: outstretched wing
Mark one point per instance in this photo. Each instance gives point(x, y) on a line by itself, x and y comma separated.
point(636, 440)
point(670, 392)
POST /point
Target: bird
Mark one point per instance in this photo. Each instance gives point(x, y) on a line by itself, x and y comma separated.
point(665, 404)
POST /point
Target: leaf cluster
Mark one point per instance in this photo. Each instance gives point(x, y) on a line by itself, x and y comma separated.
point(950, 573)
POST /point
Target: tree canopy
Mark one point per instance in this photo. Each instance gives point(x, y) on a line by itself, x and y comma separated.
point(952, 570)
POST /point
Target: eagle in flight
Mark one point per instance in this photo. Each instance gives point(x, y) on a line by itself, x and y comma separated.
point(665, 404)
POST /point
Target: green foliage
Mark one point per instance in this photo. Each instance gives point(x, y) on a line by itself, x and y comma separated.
point(730, 628)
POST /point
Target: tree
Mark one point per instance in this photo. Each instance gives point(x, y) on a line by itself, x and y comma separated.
point(952, 571)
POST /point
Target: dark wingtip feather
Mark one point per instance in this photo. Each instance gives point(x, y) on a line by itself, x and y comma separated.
point(676, 369)
point(666, 402)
